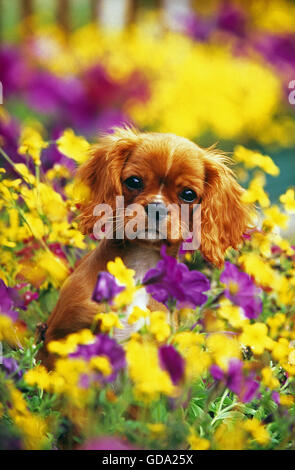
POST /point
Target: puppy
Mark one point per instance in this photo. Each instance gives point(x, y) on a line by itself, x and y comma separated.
point(154, 171)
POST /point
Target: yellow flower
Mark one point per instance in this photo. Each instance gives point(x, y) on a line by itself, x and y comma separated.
point(255, 192)
point(137, 313)
point(35, 226)
point(108, 321)
point(288, 199)
point(268, 378)
point(150, 380)
point(32, 143)
point(156, 429)
point(223, 348)
point(38, 376)
point(73, 146)
point(32, 427)
point(253, 159)
point(286, 400)
point(255, 266)
point(257, 430)
point(275, 218)
point(124, 275)
point(197, 443)
point(102, 364)
point(262, 242)
point(8, 331)
point(230, 435)
point(56, 268)
point(284, 290)
point(232, 313)
point(57, 172)
point(256, 337)
point(280, 349)
point(65, 346)
point(190, 345)
point(275, 323)
point(159, 326)
point(23, 170)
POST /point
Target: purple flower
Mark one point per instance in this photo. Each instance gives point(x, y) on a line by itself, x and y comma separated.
point(7, 295)
point(10, 366)
point(276, 397)
point(182, 250)
point(278, 49)
point(106, 288)
point(241, 290)
point(171, 280)
point(231, 19)
point(103, 346)
point(172, 362)
point(245, 387)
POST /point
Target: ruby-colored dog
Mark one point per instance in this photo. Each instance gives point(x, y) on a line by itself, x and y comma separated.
point(154, 170)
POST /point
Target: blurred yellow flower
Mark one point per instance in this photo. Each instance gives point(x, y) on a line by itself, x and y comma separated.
point(232, 313)
point(230, 435)
point(68, 345)
point(253, 159)
point(54, 266)
point(255, 266)
point(102, 364)
point(73, 146)
point(31, 143)
point(268, 378)
point(23, 170)
point(137, 313)
point(256, 336)
point(257, 430)
point(223, 348)
point(159, 325)
point(149, 379)
point(255, 192)
point(288, 199)
point(286, 400)
point(124, 275)
point(196, 442)
point(274, 217)
point(108, 321)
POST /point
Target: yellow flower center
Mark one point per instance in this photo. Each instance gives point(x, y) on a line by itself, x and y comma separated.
point(233, 287)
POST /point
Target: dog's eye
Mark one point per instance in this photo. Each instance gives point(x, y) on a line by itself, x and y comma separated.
point(134, 182)
point(188, 195)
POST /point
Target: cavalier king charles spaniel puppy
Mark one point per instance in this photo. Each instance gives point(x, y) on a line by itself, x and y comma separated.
point(154, 171)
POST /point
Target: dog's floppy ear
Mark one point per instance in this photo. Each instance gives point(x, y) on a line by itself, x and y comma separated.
point(102, 173)
point(225, 218)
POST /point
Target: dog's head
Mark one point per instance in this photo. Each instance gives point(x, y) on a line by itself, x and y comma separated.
point(162, 178)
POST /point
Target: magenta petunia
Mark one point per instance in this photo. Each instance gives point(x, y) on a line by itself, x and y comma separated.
point(241, 290)
point(171, 280)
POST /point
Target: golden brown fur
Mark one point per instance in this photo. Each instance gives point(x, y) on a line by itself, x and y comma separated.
point(166, 163)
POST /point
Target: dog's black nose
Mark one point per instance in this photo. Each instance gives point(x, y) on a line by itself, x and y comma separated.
point(156, 211)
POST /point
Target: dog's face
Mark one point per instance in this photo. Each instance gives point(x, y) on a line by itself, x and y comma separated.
point(163, 178)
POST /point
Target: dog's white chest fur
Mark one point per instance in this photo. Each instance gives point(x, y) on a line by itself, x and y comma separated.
point(140, 259)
